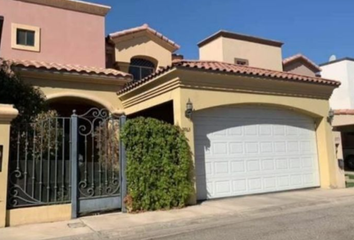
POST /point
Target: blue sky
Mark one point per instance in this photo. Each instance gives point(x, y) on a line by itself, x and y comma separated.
point(316, 28)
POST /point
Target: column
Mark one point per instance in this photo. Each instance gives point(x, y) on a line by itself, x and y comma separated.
point(7, 113)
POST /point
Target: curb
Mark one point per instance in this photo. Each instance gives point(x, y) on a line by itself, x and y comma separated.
point(153, 231)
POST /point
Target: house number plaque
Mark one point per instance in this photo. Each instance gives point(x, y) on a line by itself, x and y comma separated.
point(186, 129)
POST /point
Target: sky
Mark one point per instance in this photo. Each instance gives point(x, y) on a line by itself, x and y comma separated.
point(315, 28)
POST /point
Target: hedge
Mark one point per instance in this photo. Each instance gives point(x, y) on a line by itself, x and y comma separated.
point(158, 165)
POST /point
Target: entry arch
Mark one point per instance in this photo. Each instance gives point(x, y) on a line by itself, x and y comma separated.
point(90, 99)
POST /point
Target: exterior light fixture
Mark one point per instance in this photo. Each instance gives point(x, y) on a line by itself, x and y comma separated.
point(189, 109)
point(330, 116)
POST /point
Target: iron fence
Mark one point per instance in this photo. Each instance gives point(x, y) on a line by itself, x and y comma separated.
point(39, 166)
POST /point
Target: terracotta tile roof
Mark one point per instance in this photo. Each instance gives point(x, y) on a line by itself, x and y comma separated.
point(301, 57)
point(233, 69)
point(344, 112)
point(144, 27)
point(69, 68)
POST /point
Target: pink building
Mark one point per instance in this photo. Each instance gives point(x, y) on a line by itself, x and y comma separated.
point(59, 31)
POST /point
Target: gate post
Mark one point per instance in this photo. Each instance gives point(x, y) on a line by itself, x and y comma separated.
point(122, 160)
point(73, 159)
point(7, 113)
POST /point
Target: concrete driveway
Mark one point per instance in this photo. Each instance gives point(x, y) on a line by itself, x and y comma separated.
point(206, 214)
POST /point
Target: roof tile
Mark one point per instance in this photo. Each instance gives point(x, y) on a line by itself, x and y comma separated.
point(298, 57)
point(232, 68)
point(344, 112)
point(69, 68)
point(144, 27)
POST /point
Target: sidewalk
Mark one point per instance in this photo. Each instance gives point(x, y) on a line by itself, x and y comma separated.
point(113, 225)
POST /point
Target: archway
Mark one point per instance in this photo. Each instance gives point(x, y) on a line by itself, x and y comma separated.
point(65, 103)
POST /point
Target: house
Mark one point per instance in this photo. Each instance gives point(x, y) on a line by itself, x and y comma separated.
point(300, 64)
point(53, 47)
point(342, 102)
point(255, 123)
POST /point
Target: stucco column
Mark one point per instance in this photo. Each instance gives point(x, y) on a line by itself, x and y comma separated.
point(7, 113)
point(326, 154)
point(179, 107)
point(340, 173)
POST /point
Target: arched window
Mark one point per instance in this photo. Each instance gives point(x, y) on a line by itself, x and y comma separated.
point(141, 68)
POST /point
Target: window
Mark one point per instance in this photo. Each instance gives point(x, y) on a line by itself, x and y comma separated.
point(242, 62)
point(141, 68)
point(25, 37)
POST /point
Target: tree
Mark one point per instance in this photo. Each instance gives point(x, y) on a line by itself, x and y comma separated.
point(29, 101)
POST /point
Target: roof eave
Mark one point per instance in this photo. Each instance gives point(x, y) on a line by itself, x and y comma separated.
point(315, 68)
point(74, 5)
point(145, 28)
point(112, 79)
point(132, 87)
point(336, 61)
point(227, 34)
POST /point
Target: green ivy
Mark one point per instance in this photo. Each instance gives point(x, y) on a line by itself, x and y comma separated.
point(158, 165)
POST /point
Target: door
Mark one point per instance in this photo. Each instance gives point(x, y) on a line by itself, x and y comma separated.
point(253, 149)
point(97, 162)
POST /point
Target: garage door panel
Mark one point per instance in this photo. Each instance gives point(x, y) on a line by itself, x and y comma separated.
point(263, 150)
point(222, 187)
point(225, 187)
point(253, 165)
point(237, 166)
point(236, 148)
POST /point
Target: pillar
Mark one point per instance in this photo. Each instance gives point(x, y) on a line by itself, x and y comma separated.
point(7, 113)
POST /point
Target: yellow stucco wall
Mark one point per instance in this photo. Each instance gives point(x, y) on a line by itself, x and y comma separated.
point(103, 92)
point(7, 113)
point(202, 98)
point(143, 45)
point(212, 50)
point(258, 55)
point(41, 214)
point(339, 155)
point(4, 140)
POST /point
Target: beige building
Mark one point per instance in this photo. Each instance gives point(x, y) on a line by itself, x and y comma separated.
point(254, 123)
point(242, 49)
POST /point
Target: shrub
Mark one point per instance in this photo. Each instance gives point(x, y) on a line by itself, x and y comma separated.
point(28, 100)
point(158, 165)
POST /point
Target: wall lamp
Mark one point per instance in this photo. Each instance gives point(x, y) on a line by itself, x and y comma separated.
point(330, 116)
point(189, 109)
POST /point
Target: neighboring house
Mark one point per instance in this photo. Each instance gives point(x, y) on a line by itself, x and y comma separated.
point(342, 102)
point(341, 70)
point(255, 124)
point(54, 47)
point(299, 64)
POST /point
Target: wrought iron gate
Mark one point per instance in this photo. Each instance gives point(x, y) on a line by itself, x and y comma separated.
point(78, 159)
point(97, 160)
point(39, 164)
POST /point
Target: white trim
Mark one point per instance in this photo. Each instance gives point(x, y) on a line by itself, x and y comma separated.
point(37, 37)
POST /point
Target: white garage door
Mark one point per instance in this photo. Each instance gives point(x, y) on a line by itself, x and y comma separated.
point(246, 150)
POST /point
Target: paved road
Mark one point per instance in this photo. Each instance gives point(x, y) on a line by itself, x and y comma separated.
point(332, 223)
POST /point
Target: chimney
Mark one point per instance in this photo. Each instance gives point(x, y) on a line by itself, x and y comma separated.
point(177, 57)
